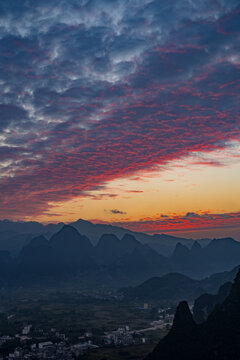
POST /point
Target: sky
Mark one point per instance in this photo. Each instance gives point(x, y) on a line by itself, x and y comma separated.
point(121, 112)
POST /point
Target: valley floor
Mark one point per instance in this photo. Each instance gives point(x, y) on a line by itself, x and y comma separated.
point(100, 327)
point(137, 352)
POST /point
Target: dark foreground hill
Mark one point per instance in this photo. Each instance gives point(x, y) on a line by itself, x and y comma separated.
point(218, 338)
point(205, 303)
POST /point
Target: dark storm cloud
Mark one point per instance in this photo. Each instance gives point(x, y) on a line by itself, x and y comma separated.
point(94, 90)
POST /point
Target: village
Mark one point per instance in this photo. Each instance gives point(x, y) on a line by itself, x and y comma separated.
point(57, 345)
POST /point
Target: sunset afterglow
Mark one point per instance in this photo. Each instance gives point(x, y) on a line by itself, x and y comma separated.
point(122, 112)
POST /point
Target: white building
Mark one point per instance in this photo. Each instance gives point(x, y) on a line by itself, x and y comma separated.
point(26, 329)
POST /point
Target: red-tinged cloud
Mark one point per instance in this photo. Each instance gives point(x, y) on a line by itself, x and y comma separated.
point(86, 100)
point(188, 222)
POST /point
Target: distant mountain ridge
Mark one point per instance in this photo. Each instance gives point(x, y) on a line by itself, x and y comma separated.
point(14, 232)
point(69, 256)
point(218, 255)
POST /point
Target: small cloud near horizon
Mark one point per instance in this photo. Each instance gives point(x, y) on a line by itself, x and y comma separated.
point(116, 212)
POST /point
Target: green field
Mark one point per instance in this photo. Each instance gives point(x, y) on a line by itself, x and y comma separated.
point(71, 313)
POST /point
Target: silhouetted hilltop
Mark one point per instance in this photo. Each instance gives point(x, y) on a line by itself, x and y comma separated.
point(183, 322)
point(199, 261)
point(205, 303)
point(71, 256)
point(109, 249)
point(130, 243)
point(218, 338)
point(71, 248)
point(196, 248)
point(162, 243)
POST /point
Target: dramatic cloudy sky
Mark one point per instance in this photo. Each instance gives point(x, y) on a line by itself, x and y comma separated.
point(121, 111)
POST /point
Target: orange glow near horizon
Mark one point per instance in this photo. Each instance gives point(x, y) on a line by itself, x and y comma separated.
point(200, 184)
point(135, 125)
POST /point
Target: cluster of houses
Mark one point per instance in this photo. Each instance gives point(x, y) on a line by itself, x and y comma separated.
point(44, 350)
point(49, 350)
point(123, 337)
point(60, 348)
point(63, 349)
